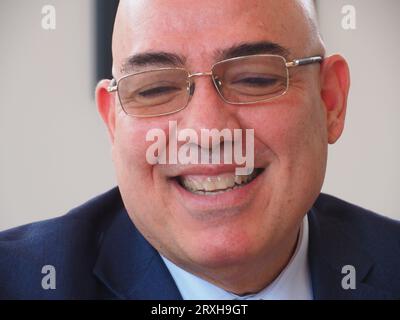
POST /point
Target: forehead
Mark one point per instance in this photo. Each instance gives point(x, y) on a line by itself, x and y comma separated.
point(196, 29)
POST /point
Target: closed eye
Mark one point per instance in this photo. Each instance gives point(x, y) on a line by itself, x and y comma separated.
point(157, 91)
point(256, 81)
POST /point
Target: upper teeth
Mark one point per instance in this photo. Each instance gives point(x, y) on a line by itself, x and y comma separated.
point(215, 183)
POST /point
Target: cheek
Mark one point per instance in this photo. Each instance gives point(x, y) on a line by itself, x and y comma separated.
point(129, 155)
point(290, 128)
point(135, 175)
point(302, 148)
point(130, 147)
point(137, 178)
point(294, 132)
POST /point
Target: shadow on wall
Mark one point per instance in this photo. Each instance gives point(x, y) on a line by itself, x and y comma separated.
point(105, 16)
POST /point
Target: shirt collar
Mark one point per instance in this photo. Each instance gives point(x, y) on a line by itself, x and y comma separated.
point(292, 283)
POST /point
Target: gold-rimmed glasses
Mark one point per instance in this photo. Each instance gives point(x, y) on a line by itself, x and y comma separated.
point(240, 81)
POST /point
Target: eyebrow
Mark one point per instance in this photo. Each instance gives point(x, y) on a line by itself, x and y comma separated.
point(167, 59)
point(247, 49)
point(156, 59)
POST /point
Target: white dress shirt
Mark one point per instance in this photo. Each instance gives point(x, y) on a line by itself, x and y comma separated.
point(293, 283)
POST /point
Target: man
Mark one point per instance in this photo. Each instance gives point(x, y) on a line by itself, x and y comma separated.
point(200, 231)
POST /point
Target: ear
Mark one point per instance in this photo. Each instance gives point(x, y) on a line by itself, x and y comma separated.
point(106, 106)
point(335, 84)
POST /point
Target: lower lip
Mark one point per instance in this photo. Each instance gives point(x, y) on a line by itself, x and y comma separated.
point(232, 199)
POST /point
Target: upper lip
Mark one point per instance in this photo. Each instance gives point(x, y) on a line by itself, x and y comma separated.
point(207, 170)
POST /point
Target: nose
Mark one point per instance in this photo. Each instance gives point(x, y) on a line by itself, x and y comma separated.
point(207, 110)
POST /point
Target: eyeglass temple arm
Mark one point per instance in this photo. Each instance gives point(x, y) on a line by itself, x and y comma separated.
point(304, 61)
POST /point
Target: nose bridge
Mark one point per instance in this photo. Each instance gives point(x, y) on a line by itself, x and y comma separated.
point(207, 110)
point(200, 74)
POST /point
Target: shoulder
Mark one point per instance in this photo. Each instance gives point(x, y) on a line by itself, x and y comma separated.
point(345, 234)
point(74, 237)
point(334, 212)
point(86, 218)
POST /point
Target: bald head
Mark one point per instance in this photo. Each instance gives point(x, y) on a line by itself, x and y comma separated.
point(147, 25)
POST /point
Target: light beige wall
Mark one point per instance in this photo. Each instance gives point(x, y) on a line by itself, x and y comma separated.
point(364, 166)
point(54, 151)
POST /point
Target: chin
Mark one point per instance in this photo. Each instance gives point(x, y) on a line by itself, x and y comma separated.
point(222, 249)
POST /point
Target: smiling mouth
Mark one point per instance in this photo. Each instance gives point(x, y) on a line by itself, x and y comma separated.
point(216, 184)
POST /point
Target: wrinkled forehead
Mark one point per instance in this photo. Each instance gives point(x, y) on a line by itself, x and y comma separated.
point(196, 30)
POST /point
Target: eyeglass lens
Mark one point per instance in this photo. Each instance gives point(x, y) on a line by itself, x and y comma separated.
point(239, 81)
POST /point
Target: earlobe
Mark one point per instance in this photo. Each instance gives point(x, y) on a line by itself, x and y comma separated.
point(335, 84)
point(106, 106)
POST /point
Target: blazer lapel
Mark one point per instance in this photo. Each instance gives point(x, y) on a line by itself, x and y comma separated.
point(331, 247)
point(130, 267)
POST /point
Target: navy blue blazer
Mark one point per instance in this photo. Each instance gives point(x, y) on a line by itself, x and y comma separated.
point(98, 253)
